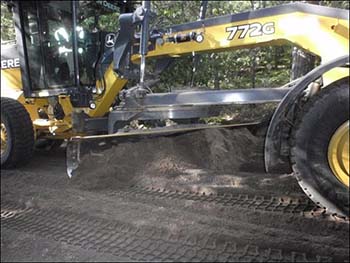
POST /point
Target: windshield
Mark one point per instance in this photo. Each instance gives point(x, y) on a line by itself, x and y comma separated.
point(49, 30)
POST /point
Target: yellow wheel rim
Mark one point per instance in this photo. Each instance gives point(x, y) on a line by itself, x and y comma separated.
point(338, 153)
point(4, 138)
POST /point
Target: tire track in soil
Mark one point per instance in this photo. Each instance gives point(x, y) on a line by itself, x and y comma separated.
point(298, 206)
point(146, 243)
point(217, 218)
point(268, 226)
point(259, 208)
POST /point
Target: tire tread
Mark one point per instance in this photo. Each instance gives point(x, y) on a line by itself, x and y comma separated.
point(22, 133)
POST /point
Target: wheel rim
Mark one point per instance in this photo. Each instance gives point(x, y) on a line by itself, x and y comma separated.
point(4, 138)
point(338, 153)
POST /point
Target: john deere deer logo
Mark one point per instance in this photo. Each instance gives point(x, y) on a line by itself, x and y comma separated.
point(110, 40)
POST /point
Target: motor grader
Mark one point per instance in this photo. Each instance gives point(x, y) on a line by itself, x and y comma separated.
point(62, 81)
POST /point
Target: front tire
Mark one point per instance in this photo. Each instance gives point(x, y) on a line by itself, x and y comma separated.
point(315, 127)
point(17, 135)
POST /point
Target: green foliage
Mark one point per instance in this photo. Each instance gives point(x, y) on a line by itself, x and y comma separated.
point(7, 28)
point(107, 22)
point(336, 4)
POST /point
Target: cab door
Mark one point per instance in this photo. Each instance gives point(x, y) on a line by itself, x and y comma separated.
point(46, 46)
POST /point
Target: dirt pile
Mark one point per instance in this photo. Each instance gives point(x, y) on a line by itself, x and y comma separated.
point(181, 158)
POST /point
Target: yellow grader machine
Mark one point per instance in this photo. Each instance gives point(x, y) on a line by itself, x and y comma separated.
point(62, 81)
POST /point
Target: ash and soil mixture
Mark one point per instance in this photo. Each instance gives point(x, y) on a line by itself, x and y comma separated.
point(153, 161)
point(203, 161)
point(209, 161)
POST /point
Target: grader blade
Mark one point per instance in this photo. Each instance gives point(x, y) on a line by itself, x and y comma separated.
point(231, 106)
point(91, 149)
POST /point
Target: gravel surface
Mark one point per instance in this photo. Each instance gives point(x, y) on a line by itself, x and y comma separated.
point(200, 196)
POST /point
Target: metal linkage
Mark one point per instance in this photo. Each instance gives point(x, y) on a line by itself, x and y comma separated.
point(208, 98)
point(190, 104)
point(146, 6)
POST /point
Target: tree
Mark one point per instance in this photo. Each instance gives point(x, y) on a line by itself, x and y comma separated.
point(7, 27)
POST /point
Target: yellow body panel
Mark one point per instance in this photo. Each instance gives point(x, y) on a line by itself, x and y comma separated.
point(11, 81)
point(322, 36)
point(11, 87)
point(114, 84)
point(326, 37)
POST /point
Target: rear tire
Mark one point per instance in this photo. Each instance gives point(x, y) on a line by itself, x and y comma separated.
point(319, 119)
point(18, 140)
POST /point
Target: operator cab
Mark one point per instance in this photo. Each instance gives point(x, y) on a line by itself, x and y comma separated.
point(56, 59)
